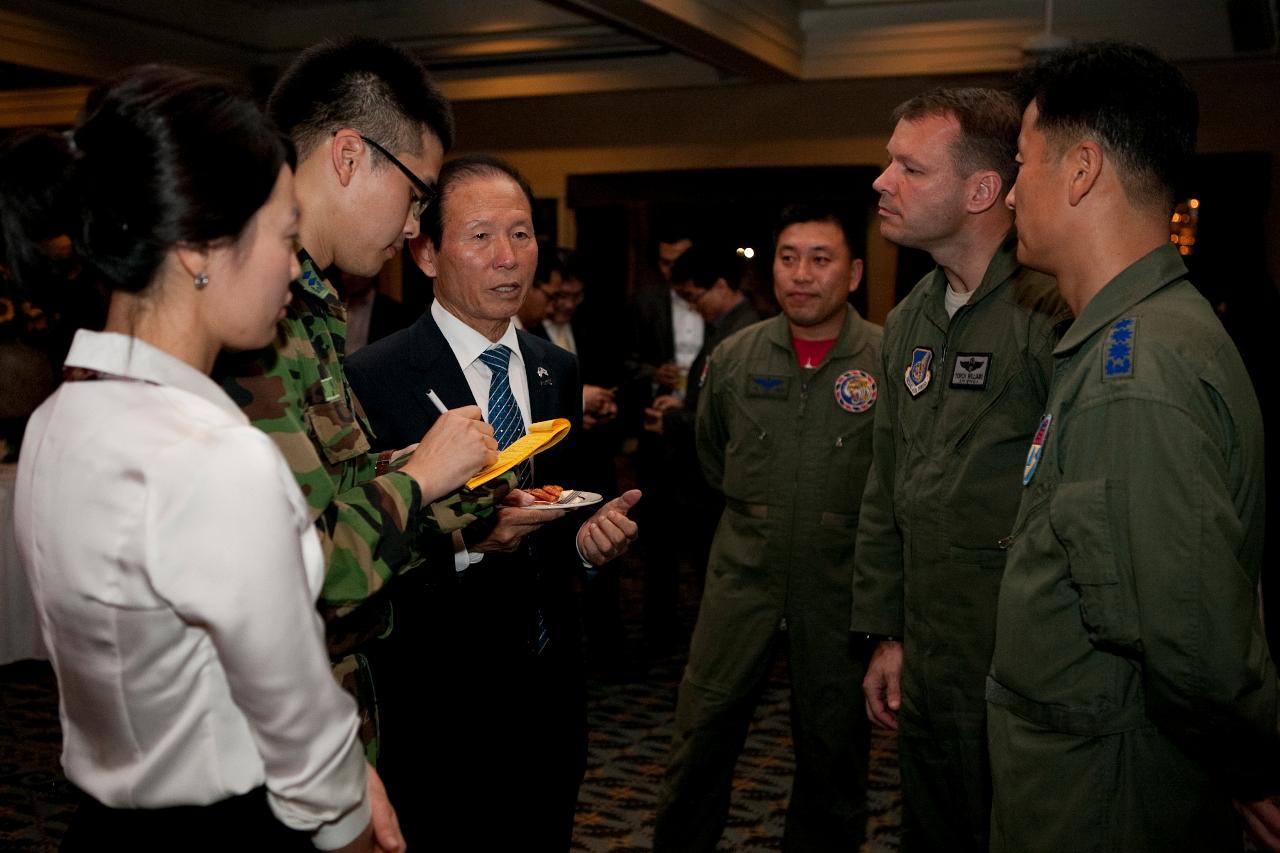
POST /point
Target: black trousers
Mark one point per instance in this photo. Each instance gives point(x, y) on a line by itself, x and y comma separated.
point(485, 741)
point(244, 822)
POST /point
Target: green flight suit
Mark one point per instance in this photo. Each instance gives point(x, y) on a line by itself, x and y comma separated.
point(1131, 694)
point(371, 526)
point(943, 492)
point(789, 448)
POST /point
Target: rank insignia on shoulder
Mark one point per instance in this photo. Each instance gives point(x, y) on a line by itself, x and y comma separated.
point(1037, 448)
point(313, 282)
point(971, 370)
point(855, 391)
point(767, 386)
point(1117, 351)
point(918, 371)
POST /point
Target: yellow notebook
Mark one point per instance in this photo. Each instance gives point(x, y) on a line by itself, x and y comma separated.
point(540, 436)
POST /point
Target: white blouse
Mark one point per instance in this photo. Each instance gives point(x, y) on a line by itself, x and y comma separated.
point(175, 573)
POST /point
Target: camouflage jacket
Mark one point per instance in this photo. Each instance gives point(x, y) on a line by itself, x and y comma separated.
point(371, 526)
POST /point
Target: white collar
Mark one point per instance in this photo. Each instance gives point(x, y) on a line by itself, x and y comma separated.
point(466, 342)
point(127, 356)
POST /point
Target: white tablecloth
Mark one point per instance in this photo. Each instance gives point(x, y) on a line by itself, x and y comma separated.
point(19, 628)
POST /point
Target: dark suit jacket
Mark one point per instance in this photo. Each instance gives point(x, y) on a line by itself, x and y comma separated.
point(389, 316)
point(651, 337)
point(392, 377)
point(482, 704)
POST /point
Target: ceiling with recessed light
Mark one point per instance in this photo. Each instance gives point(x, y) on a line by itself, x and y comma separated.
point(482, 49)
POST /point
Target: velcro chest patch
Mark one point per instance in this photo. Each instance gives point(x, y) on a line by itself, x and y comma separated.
point(768, 387)
point(971, 370)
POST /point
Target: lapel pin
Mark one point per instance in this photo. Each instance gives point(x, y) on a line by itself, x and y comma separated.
point(544, 378)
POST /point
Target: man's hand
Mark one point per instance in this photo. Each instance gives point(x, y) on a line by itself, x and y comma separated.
point(515, 522)
point(598, 405)
point(458, 445)
point(882, 685)
point(1262, 818)
point(653, 414)
point(609, 532)
point(386, 827)
point(668, 374)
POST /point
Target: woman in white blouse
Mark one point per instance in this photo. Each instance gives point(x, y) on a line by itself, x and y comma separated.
point(167, 544)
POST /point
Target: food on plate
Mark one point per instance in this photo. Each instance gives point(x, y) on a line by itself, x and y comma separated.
point(550, 494)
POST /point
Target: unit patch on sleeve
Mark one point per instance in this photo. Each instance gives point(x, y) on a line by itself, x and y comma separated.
point(1037, 449)
point(855, 391)
point(1117, 352)
point(971, 370)
point(918, 372)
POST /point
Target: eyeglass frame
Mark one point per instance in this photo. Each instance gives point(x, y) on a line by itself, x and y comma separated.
point(425, 190)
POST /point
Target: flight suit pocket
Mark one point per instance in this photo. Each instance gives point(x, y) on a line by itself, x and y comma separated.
point(993, 407)
point(748, 456)
point(846, 466)
point(336, 430)
point(1090, 520)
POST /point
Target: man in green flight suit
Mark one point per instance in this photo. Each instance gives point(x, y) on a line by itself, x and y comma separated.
point(1131, 697)
point(967, 358)
point(370, 130)
point(784, 432)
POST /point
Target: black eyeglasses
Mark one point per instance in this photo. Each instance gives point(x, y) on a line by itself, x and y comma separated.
point(426, 192)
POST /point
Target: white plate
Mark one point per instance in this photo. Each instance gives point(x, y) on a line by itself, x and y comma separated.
point(571, 499)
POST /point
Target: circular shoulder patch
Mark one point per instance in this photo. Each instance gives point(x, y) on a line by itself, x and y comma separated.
point(855, 391)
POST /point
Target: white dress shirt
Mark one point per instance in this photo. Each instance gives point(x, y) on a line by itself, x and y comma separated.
point(561, 334)
point(688, 328)
point(176, 573)
point(467, 344)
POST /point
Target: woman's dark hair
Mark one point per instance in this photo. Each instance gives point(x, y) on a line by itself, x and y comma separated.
point(161, 157)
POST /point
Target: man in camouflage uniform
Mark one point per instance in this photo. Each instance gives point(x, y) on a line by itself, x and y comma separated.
point(359, 199)
point(1131, 697)
point(969, 356)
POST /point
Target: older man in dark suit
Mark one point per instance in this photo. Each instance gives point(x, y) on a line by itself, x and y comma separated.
point(497, 640)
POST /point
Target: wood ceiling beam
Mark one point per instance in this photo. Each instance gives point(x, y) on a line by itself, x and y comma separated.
point(759, 40)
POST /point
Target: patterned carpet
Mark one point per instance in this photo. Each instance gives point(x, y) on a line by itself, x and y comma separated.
point(631, 732)
point(630, 739)
point(35, 799)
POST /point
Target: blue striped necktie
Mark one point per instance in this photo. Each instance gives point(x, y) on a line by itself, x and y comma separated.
point(504, 413)
point(508, 427)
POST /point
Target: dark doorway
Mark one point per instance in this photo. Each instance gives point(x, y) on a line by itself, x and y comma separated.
point(620, 215)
